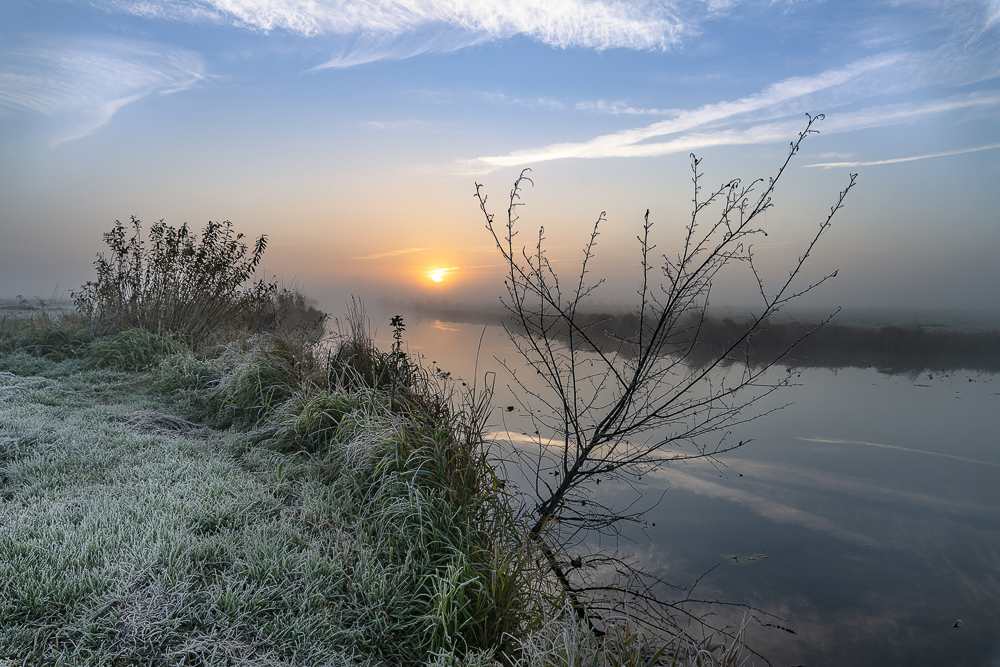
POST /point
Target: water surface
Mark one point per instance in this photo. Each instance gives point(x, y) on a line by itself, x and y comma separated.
point(866, 516)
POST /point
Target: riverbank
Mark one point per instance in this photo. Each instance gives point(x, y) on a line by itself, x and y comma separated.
point(196, 509)
point(266, 500)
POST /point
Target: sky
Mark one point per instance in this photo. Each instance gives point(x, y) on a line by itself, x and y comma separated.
point(353, 134)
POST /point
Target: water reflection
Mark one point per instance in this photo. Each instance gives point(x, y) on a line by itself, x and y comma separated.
point(867, 514)
point(892, 345)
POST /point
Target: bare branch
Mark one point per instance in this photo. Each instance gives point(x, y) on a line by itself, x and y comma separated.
point(621, 403)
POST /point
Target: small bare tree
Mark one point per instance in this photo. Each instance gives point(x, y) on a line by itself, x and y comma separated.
point(615, 403)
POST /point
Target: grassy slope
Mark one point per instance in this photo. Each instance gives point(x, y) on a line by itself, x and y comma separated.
point(328, 526)
point(119, 544)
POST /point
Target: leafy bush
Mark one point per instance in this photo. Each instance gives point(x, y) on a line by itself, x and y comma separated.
point(176, 282)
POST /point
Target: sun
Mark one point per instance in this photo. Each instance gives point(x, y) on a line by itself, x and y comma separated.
point(438, 275)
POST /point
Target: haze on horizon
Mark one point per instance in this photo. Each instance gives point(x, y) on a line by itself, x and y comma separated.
point(352, 133)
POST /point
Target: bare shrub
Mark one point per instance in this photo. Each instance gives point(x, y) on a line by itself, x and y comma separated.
point(614, 405)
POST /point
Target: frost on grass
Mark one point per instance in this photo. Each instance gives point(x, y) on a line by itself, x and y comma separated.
point(9, 391)
point(123, 542)
point(151, 421)
point(11, 385)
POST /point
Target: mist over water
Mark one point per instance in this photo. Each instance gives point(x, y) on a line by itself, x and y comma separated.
point(892, 341)
point(863, 516)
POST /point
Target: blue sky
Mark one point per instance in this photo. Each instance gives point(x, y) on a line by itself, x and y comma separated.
point(352, 133)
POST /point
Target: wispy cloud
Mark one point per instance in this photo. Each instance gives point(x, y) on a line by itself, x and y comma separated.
point(81, 85)
point(726, 123)
point(620, 146)
point(391, 253)
point(621, 107)
point(528, 102)
point(370, 47)
point(594, 24)
point(992, 12)
point(394, 124)
point(628, 143)
point(961, 151)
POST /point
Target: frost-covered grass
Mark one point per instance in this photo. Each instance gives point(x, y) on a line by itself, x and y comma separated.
point(126, 536)
point(117, 544)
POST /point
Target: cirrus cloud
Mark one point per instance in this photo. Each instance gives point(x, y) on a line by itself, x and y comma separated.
point(81, 84)
point(772, 115)
point(593, 24)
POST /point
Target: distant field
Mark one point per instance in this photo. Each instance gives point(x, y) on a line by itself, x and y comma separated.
point(27, 308)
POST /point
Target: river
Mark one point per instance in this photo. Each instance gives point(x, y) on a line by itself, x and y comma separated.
point(864, 517)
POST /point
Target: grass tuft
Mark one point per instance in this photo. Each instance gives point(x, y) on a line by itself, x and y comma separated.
point(132, 349)
point(47, 337)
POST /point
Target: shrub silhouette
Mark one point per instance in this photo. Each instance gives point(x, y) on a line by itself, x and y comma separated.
point(175, 282)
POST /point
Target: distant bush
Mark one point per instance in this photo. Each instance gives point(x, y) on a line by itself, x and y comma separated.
point(293, 315)
point(891, 349)
point(175, 282)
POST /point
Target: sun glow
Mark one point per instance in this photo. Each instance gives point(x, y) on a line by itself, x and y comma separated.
point(438, 275)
